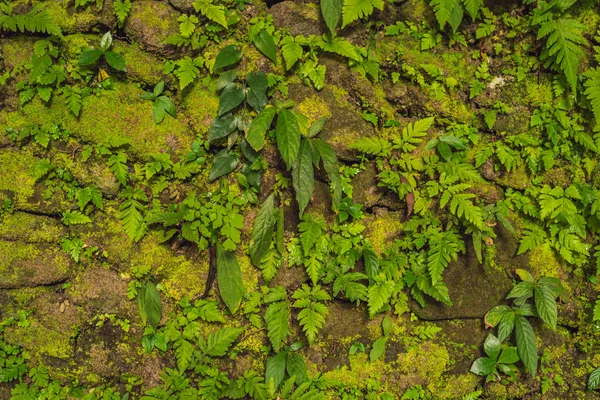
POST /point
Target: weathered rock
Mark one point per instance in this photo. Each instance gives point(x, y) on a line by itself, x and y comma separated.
point(32, 264)
point(30, 228)
point(300, 18)
point(150, 23)
point(364, 187)
point(345, 124)
point(101, 291)
point(73, 19)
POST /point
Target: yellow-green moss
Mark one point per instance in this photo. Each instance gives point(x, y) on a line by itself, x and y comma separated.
point(201, 105)
point(17, 174)
point(141, 65)
point(456, 386)
point(314, 108)
point(182, 276)
point(16, 51)
point(40, 340)
point(544, 262)
point(110, 112)
point(382, 229)
point(426, 361)
point(69, 21)
point(30, 228)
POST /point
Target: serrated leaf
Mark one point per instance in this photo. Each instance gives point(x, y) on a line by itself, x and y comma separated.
point(75, 218)
point(594, 379)
point(277, 319)
point(220, 341)
point(116, 61)
point(287, 134)
point(546, 305)
point(355, 9)
point(526, 346)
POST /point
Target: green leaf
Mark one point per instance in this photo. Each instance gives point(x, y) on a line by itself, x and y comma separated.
point(220, 341)
point(473, 7)
point(230, 55)
point(89, 57)
point(75, 218)
point(287, 134)
point(313, 313)
point(258, 128)
point(330, 162)
point(116, 61)
point(131, 212)
point(443, 10)
point(229, 279)
point(262, 233)
point(226, 78)
point(232, 96)
point(213, 12)
point(592, 91)
point(303, 176)
point(332, 12)
point(163, 105)
point(508, 356)
point(296, 366)
point(526, 346)
point(257, 90)
point(371, 262)
point(152, 305)
point(292, 52)
point(311, 228)
point(106, 41)
point(483, 366)
point(594, 379)
point(546, 305)
point(378, 349)
point(265, 44)
point(118, 166)
point(222, 127)
point(277, 319)
point(492, 346)
point(224, 163)
point(565, 38)
point(521, 290)
point(355, 9)
point(276, 368)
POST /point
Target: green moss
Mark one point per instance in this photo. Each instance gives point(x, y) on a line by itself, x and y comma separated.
point(314, 108)
point(141, 65)
point(382, 229)
point(40, 340)
point(181, 276)
point(27, 264)
point(201, 105)
point(70, 21)
point(516, 179)
point(359, 371)
point(456, 386)
point(16, 51)
point(17, 166)
point(538, 93)
point(544, 262)
point(425, 362)
point(151, 18)
point(110, 112)
point(31, 228)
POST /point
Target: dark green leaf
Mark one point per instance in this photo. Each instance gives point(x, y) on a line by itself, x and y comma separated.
point(371, 263)
point(152, 305)
point(296, 366)
point(229, 279)
point(287, 134)
point(265, 44)
point(116, 61)
point(257, 90)
point(89, 57)
point(232, 96)
point(226, 78)
point(526, 346)
point(221, 127)
point(163, 105)
point(224, 163)
point(258, 129)
point(483, 366)
point(330, 162)
point(522, 290)
point(228, 56)
point(303, 178)
point(386, 326)
point(280, 230)
point(316, 127)
point(332, 12)
point(492, 346)
point(262, 233)
point(508, 356)
point(276, 368)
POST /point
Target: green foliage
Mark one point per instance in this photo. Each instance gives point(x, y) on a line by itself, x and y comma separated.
point(312, 310)
point(75, 218)
point(592, 91)
point(149, 304)
point(217, 343)
point(451, 11)
point(277, 317)
point(356, 9)
point(162, 105)
point(229, 277)
point(543, 292)
point(499, 358)
point(594, 379)
point(132, 212)
point(38, 20)
point(114, 60)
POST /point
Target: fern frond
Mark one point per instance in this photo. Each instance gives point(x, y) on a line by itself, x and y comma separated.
point(220, 341)
point(373, 146)
point(277, 319)
point(563, 46)
point(461, 204)
point(38, 20)
point(355, 9)
point(131, 212)
point(313, 313)
point(592, 91)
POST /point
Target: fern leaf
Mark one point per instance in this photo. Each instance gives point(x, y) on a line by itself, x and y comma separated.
point(373, 146)
point(131, 212)
point(75, 218)
point(118, 166)
point(597, 311)
point(277, 319)
point(215, 13)
point(462, 205)
point(220, 341)
point(531, 239)
point(473, 7)
point(565, 36)
point(355, 9)
point(379, 296)
point(313, 313)
point(443, 248)
point(592, 91)
point(292, 52)
point(311, 228)
point(444, 10)
point(184, 352)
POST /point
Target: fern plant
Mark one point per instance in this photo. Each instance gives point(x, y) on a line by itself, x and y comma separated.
point(451, 12)
point(38, 20)
point(312, 310)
